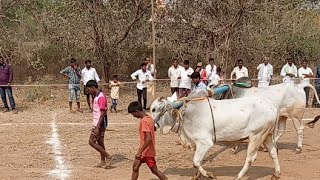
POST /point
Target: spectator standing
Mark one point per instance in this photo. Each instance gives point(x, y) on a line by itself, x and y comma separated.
point(6, 77)
point(217, 79)
point(150, 66)
point(211, 70)
point(142, 76)
point(174, 75)
point(202, 71)
point(115, 88)
point(305, 73)
point(73, 72)
point(185, 83)
point(317, 86)
point(265, 73)
point(239, 71)
point(289, 72)
point(89, 73)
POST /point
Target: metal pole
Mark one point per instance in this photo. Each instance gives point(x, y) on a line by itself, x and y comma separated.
point(153, 47)
point(153, 37)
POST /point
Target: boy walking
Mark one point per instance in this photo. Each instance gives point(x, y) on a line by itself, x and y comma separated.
point(146, 153)
point(100, 123)
point(115, 87)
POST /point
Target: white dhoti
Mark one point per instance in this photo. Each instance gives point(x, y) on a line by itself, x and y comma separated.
point(263, 83)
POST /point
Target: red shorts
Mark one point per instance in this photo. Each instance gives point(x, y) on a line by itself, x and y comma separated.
point(150, 161)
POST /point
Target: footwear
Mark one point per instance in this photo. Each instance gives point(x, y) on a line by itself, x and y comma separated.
point(14, 111)
point(5, 110)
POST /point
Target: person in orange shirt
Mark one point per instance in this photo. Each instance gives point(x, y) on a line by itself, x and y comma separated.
point(147, 152)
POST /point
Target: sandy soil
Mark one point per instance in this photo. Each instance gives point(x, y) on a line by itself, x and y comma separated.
point(26, 152)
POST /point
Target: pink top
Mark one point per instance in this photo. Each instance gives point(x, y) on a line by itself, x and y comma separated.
point(99, 104)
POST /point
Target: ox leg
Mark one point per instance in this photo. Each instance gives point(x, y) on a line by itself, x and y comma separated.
point(202, 148)
point(274, 155)
point(282, 126)
point(252, 153)
point(298, 125)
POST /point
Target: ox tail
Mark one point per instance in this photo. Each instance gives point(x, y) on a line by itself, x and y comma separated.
point(312, 123)
point(313, 89)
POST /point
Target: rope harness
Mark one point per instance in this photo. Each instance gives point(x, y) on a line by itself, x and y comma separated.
point(214, 126)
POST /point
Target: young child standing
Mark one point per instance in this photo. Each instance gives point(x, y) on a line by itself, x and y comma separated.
point(100, 123)
point(115, 87)
point(147, 152)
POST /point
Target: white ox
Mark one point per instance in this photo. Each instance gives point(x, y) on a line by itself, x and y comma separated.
point(207, 121)
point(290, 98)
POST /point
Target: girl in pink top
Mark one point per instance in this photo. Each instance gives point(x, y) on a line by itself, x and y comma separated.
point(99, 123)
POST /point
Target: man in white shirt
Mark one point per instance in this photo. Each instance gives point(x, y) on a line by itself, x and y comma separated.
point(305, 73)
point(239, 71)
point(211, 70)
point(217, 79)
point(265, 73)
point(143, 76)
point(150, 66)
point(174, 75)
point(89, 73)
point(185, 83)
point(289, 72)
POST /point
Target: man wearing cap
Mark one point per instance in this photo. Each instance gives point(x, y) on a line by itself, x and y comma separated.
point(198, 84)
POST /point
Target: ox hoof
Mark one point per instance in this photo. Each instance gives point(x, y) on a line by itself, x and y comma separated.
point(195, 178)
point(210, 175)
point(298, 150)
point(274, 177)
point(234, 149)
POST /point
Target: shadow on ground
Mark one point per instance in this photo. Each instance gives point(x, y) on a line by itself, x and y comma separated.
point(230, 171)
point(117, 158)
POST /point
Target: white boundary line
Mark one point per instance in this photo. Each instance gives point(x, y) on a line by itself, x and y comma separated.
point(71, 124)
point(60, 171)
point(80, 124)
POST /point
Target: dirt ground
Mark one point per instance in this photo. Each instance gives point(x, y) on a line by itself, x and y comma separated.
point(45, 141)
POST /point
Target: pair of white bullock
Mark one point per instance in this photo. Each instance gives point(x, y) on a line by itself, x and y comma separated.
point(257, 114)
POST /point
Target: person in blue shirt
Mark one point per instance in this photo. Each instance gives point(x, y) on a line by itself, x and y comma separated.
point(317, 86)
point(198, 84)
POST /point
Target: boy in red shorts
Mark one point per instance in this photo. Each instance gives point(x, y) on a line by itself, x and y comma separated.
point(147, 152)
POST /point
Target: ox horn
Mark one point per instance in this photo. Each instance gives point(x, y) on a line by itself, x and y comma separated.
point(161, 98)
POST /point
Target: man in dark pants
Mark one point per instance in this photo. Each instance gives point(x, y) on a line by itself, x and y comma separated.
point(142, 76)
point(6, 77)
point(317, 86)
